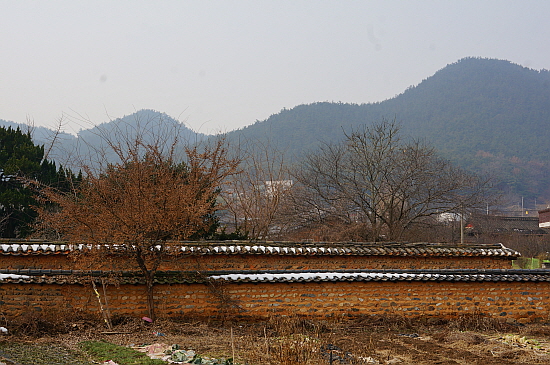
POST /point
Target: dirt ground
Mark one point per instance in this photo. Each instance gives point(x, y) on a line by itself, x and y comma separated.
point(473, 340)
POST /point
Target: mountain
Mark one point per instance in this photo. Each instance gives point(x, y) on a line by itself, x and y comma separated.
point(476, 105)
point(41, 135)
point(486, 115)
point(71, 150)
point(147, 123)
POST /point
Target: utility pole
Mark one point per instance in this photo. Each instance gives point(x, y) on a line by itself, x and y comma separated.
point(461, 224)
point(522, 206)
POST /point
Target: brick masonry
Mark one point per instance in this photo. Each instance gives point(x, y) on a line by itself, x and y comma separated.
point(522, 301)
point(264, 262)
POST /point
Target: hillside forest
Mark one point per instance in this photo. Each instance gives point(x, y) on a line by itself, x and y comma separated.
point(485, 115)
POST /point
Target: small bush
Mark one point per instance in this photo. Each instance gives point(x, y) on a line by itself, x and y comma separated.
point(293, 349)
point(120, 320)
point(285, 326)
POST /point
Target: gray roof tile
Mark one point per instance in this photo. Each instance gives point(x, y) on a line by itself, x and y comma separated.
point(19, 247)
point(172, 277)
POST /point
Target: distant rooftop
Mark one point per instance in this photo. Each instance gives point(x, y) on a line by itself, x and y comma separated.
point(544, 218)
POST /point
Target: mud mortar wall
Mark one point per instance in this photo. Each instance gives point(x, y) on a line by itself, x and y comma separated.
point(522, 301)
point(283, 262)
point(265, 262)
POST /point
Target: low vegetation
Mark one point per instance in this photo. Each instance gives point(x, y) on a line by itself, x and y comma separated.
point(105, 351)
point(391, 339)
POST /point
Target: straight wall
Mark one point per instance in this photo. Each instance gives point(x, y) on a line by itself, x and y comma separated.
point(523, 301)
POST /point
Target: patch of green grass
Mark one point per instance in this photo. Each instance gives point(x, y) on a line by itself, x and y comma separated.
point(105, 351)
point(12, 352)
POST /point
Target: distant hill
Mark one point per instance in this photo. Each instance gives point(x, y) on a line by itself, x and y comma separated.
point(150, 123)
point(483, 105)
point(486, 115)
point(41, 135)
point(70, 150)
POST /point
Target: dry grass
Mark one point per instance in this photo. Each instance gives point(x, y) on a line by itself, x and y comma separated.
point(285, 341)
point(296, 340)
point(49, 322)
point(471, 338)
point(481, 322)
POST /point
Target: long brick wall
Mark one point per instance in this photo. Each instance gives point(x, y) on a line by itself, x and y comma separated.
point(482, 281)
point(522, 301)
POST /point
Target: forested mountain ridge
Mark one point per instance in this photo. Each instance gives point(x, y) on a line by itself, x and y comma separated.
point(486, 115)
point(479, 105)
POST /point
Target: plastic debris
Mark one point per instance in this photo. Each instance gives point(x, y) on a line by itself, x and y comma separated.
point(173, 354)
point(147, 319)
point(369, 360)
point(183, 356)
point(3, 330)
point(157, 350)
point(110, 362)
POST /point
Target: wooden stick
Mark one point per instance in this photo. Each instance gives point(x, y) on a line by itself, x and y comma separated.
point(110, 323)
point(233, 346)
point(100, 305)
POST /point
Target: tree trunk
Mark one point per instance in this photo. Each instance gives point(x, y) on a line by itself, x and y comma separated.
point(149, 283)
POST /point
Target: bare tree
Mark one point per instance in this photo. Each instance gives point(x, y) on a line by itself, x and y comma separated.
point(141, 205)
point(374, 177)
point(255, 195)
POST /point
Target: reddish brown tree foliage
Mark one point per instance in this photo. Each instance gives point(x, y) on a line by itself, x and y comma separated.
point(141, 206)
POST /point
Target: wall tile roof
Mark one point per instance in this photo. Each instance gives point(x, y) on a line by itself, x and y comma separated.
point(33, 249)
point(37, 276)
point(373, 276)
point(14, 247)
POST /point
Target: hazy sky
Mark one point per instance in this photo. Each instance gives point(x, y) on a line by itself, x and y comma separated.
point(221, 65)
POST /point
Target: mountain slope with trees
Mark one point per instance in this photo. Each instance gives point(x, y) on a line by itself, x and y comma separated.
point(486, 115)
point(480, 105)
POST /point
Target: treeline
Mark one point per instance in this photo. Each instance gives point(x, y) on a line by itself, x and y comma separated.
point(21, 161)
point(374, 185)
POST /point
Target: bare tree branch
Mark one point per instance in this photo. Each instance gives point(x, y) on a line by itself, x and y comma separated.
point(376, 179)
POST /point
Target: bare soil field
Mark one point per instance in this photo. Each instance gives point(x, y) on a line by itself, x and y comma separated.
point(375, 340)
